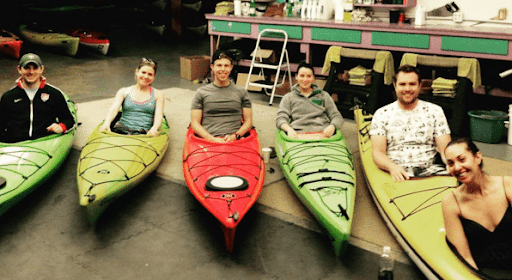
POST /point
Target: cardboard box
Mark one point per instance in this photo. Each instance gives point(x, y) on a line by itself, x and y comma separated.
point(266, 55)
point(194, 67)
point(241, 80)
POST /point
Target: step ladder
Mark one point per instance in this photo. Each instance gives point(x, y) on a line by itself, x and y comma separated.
point(268, 86)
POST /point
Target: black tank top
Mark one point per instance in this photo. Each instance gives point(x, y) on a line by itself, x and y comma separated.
point(490, 249)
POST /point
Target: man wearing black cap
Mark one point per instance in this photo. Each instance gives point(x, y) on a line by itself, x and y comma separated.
point(32, 108)
point(219, 108)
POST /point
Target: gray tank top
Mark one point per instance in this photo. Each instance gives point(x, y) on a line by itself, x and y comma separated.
point(138, 115)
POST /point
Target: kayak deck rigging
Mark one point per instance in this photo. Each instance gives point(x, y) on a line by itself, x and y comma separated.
point(421, 206)
point(204, 163)
point(136, 159)
point(14, 152)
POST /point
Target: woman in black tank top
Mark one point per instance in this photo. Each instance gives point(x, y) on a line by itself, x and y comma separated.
point(478, 214)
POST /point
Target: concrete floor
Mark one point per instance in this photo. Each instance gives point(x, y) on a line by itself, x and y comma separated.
point(158, 230)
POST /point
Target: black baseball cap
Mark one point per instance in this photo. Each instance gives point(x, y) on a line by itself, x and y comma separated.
point(218, 54)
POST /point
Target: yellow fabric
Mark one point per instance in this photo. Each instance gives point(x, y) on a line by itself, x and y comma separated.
point(470, 68)
point(429, 60)
point(444, 83)
point(333, 55)
point(466, 67)
point(384, 63)
point(359, 71)
point(383, 60)
point(409, 59)
point(224, 8)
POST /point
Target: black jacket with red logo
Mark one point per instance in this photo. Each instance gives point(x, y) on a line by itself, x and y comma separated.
point(23, 119)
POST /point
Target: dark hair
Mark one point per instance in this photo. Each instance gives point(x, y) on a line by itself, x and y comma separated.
point(304, 64)
point(147, 62)
point(470, 146)
point(218, 54)
point(406, 68)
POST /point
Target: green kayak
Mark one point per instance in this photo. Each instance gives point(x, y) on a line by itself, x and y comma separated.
point(321, 173)
point(111, 164)
point(26, 165)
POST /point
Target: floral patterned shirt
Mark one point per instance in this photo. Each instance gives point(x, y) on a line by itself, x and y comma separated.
point(410, 134)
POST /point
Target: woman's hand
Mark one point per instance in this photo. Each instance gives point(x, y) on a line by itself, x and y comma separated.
point(104, 127)
point(329, 131)
point(292, 133)
point(153, 132)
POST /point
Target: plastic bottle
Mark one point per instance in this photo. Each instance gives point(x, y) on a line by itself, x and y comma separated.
point(310, 8)
point(252, 8)
point(238, 7)
point(297, 8)
point(338, 10)
point(303, 11)
point(314, 9)
point(318, 10)
point(386, 264)
point(290, 9)
point(348, 7)
point(419, 17)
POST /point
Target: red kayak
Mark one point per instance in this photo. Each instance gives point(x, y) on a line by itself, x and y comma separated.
point(10, 43)
point(93, 39)
point(226, 178)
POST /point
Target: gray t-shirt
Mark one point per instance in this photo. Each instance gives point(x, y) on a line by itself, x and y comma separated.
point(222, 107)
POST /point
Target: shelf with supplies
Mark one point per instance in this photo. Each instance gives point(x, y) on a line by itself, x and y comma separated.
point(404, 4)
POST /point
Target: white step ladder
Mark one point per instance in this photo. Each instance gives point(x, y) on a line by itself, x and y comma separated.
point(270, 88)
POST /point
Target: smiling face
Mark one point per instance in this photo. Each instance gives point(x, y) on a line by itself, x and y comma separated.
point(30, 74)
point(462, 163)
point(221, 69)
point(305, 77)
point(145, 75)
point(407, 87)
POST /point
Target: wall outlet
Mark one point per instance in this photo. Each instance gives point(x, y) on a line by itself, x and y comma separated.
point(457, 17)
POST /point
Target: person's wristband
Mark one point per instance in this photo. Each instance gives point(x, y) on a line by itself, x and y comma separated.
point(63, 126)
point(237, 136)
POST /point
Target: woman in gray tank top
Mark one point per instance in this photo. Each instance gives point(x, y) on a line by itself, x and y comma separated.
point(142, 105)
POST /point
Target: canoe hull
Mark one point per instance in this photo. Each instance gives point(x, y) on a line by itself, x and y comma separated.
point(91, 39)
point(61, 42)
point(204, 161)
point(412, 211)
point(10, 44)
point(111, 164)
point(322, 175)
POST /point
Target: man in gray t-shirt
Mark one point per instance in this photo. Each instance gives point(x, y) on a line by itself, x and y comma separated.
point(221, 111)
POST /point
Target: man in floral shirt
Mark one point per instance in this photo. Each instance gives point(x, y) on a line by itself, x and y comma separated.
point(407, 134)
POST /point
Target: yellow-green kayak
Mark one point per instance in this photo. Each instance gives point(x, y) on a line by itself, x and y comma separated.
point(62, 42)
point(412, 211)
point(111, 164)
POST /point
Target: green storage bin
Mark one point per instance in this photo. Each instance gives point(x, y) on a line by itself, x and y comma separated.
point(487, 126)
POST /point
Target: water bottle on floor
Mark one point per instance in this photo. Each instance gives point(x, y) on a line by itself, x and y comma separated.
point(386, 264)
